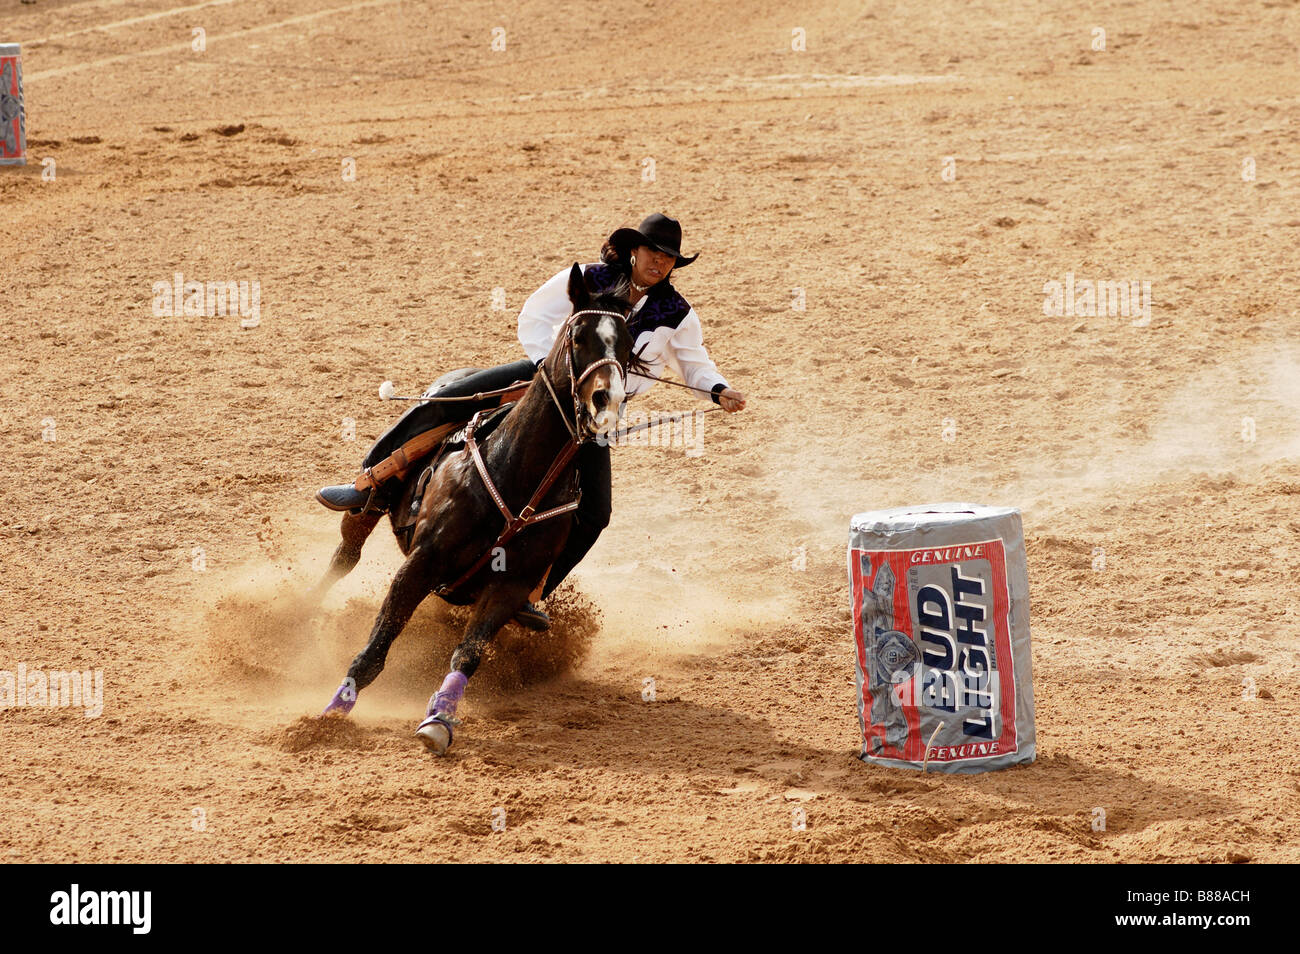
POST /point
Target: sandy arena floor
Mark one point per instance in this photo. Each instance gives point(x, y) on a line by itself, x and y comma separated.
point(1165, 680)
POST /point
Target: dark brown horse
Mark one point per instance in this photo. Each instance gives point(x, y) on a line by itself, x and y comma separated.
point(463, 545)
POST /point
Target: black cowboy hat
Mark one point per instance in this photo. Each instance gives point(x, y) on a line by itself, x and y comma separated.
point(657, 231)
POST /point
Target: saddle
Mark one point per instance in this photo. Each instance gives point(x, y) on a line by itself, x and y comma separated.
point(486, 425)
point(449, 443)
point(400, 461)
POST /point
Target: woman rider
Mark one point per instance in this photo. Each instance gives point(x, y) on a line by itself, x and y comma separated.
point(636, 264)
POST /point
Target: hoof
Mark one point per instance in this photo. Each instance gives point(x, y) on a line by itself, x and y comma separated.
point(533, 618)
point(435, 733)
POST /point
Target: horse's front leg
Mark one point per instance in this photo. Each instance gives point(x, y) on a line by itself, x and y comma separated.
point(410, 587)
point(495, 607)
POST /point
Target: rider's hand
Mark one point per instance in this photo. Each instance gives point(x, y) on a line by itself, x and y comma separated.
point(731, 400)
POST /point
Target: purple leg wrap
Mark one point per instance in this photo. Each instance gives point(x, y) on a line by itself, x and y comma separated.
point(345, 697)
point(445, 699)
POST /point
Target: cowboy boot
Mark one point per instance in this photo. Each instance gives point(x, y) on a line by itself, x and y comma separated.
point(496, 387)
point(344, 497)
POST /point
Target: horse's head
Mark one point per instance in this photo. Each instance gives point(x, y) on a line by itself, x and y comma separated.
point(600, 347)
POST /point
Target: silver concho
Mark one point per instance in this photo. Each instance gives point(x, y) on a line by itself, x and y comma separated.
point(890, 654)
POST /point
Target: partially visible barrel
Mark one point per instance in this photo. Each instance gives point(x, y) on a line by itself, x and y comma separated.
point(941, 622)
point(13, 132)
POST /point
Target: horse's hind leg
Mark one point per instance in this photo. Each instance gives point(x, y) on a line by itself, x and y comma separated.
point(495, 607)
point(410, 587)
point(356, 528)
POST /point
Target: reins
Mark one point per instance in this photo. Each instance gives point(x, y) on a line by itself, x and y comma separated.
point(481, 395)
point(668, 419)
point(676, 384)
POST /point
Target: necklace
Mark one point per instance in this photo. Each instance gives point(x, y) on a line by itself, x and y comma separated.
point(640, 288)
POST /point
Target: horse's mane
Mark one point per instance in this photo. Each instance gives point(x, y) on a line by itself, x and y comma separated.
point(612, 301)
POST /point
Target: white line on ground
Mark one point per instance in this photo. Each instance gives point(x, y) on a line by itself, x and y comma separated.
point(185, 47)
point(132, 21)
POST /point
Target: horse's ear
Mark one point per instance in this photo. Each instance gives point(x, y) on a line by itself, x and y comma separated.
point(578, 293)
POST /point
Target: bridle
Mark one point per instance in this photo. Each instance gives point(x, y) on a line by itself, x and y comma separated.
point(576, 380)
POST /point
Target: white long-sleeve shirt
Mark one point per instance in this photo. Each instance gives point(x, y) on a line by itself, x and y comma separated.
point(664, 337)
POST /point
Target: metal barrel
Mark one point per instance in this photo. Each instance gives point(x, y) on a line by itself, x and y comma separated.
point(13, 130)
point(941, 625)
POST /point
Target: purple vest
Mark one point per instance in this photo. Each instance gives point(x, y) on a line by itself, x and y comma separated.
point(664, 306)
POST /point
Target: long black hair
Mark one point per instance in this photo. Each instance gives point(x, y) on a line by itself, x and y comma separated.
point(619, 295)
point(617, 259)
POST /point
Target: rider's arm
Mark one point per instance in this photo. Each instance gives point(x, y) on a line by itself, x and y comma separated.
point(686, 356)
point(542, 316)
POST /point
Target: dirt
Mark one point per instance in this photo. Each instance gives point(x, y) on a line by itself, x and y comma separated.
point(158, 524)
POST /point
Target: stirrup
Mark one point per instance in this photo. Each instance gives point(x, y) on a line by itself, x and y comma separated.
point(370, 500)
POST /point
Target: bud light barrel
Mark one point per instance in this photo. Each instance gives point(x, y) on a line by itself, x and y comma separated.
point(13, 134)
point(941, 622)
